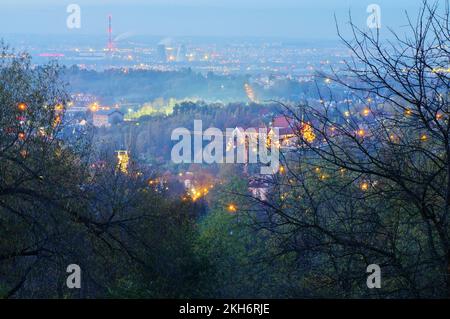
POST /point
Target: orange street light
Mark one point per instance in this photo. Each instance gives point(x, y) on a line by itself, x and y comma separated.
point(366, 112)
point(94, 107)
point(22, 107)
point(22, 136)
point(232, 208)
point(364, 186)
point(361, 132)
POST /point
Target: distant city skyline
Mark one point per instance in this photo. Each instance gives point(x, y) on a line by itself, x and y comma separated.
point(303, 19)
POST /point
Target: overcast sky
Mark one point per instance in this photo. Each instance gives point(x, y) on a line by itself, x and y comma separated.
point(309, 19)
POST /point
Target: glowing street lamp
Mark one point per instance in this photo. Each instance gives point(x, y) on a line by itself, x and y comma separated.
point(361, 133)
point(22, 136)
point(232, 208)
point(366, 112)
point(94, 107)
point(364, 186)
point(22, 107)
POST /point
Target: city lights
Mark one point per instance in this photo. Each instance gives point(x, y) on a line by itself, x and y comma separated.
point(232, 208)
point(364, 186)
point(123, 160)
point(22, 107)
point(254, 149)
point(308, 133)
point(22, 136)
point(366, 112)
point(94, 107)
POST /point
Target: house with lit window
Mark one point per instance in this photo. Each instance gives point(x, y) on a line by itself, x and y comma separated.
point(289, 131)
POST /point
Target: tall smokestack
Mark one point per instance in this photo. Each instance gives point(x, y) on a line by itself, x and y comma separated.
point(110, 40)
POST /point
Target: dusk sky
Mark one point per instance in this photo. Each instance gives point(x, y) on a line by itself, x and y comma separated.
point(309, 19)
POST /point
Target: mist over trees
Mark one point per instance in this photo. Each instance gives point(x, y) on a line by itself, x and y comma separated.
point(141, 86)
